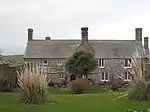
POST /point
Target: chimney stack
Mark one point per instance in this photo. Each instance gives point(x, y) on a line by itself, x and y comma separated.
point(84, 32)
point(47, 38)
point(145, 42)
point(146, 45)
point(138, 34)
point(30, 34)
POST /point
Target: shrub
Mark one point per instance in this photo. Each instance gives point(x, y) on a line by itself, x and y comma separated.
point(147, 91)
point(51, 84)
point(5, 86)
point(33, 84)
point(138, 92)
point(138, 85)
point(115, 85)
point(65, 82)
point(80, 86)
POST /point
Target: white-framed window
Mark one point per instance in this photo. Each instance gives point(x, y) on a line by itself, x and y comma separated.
point(128, 76)
point(44, 62)
point(104, 76)
point(127, 63)
point(101, 63)
point(59, 62)
point(61, 75)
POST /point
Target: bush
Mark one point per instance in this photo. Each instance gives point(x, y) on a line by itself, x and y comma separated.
point(51, 84)
point(80, 86)
point(115, 85)
point(138, 92)
point(141, 91)
point(5, 86)
point(147, 91)
point(33, 85)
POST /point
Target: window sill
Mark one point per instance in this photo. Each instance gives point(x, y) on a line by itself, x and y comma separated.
point(59, 64)
point(60, 78)
point(127, 79)
point(101, 67)
point(105, 80)
point(127, 67)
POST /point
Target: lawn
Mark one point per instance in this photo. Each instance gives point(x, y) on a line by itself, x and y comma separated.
point(102, 102)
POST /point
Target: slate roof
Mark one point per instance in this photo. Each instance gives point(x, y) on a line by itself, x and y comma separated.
point(65, 48)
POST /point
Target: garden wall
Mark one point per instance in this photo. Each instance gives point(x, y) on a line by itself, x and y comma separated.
point(8, 75)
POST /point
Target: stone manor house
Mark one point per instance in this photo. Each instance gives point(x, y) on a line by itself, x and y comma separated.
point(112, 55)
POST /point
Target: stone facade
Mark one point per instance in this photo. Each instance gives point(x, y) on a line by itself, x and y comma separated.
point(55, 68)
point(112, 55)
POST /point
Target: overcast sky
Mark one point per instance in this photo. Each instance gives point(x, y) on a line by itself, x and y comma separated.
point(63, 19)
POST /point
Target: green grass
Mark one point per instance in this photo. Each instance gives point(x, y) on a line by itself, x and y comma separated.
point(16, 58)
point(58, 91)
point(102, 102)
point(13, 59)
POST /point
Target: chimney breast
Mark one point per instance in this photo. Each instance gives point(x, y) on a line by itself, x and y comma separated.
point(84, 32)
point(30, 34)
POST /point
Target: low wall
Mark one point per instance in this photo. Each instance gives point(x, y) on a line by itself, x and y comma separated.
point(9, 73)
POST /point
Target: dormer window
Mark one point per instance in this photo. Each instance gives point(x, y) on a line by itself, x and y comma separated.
point(127, 63)
point(101, 63)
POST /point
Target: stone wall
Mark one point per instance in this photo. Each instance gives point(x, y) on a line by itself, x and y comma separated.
point(55, 69)
point(10, 73)
point(112, 66)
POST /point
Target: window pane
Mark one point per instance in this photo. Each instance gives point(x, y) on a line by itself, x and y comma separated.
point(45, 61)
point(106, 76)
point(103, 78)
point(59, 75)
point(126, 62)
point(102, 62)
point(129, 76)
point(126, 75)
point(129, 62)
